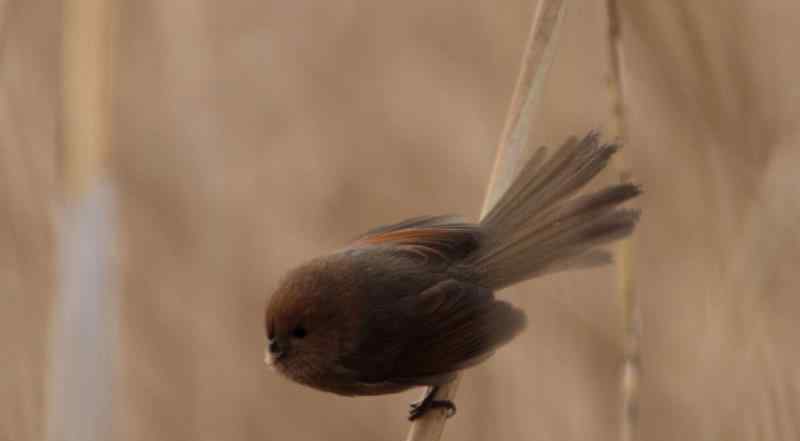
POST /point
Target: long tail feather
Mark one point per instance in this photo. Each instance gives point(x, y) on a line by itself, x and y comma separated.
point(538, 227)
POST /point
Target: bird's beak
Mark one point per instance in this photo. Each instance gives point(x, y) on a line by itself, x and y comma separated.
point(273, 352)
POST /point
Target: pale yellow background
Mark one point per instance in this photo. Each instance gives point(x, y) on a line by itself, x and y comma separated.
point(251, 135)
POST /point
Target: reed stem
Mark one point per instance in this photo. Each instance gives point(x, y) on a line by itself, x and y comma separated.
point(631, 316)
point(536, 60)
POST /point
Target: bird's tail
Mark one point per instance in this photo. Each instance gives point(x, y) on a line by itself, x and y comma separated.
point(538, 227)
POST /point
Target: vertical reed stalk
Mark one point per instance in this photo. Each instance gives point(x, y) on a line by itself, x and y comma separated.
point(631, 316)
point(537, 58)
point(83, 332)
point(87, 56)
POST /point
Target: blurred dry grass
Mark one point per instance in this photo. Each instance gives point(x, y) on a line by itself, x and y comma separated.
point(29, 89)
point(252, 135)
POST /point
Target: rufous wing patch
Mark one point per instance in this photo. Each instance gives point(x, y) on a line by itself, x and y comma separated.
point(433, 237)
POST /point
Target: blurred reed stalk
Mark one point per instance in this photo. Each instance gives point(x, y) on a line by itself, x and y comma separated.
point(536, 61)
point(84, 327)
point(631, 316)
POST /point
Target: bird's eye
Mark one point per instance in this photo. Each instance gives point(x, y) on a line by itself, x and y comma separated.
point(299, 331)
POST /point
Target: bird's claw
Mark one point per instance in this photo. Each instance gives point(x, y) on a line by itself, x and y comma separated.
point(422, 407)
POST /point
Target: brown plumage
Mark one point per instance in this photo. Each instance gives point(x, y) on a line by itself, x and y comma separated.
point(411, 304)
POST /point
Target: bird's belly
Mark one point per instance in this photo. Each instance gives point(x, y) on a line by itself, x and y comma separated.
point(343, 383)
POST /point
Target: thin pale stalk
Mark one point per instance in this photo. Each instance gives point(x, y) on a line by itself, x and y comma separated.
point(87, 56)
point(631, 370)
point(83, 332)
point(536, 61)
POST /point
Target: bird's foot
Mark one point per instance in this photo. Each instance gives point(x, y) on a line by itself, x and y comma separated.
point(420, 408)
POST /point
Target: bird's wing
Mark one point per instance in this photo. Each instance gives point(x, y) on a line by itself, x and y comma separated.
point(442, 237)
point(424, 339)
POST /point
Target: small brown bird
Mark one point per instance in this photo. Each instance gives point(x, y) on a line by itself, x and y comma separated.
point(411, 304)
